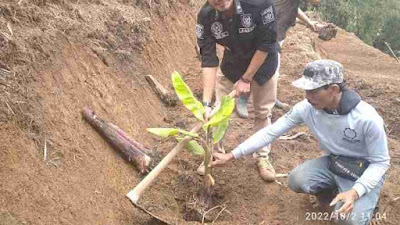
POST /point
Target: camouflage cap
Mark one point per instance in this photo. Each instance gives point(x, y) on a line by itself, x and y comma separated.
point(319, 73)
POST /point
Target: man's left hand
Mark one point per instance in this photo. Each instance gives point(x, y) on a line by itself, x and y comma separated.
point(348, 198)
point(241, 87)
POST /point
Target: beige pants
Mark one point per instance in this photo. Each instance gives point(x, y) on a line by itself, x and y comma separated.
point(264, 98)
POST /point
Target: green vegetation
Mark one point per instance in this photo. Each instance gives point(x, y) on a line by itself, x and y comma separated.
point(374, 22)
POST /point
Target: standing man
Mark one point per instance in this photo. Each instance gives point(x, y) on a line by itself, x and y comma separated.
point(247, 31)
point(349, 130)
point(287, 11)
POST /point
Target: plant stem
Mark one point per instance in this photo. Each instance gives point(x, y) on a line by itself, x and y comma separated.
point(208, 169)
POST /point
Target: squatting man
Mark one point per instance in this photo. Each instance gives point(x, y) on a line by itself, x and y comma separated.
point(349, 131)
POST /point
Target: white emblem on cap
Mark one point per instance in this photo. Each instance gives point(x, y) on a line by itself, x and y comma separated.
point(199, 31)
point(267, 15)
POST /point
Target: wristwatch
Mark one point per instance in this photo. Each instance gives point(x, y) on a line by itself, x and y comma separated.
point(208, 104)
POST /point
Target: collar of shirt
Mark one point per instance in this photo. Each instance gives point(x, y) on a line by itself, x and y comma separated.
point(238, 10)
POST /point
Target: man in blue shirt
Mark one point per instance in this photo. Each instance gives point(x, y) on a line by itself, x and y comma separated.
point(349, 131)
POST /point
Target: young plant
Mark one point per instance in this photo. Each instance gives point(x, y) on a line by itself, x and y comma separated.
point(214, 128)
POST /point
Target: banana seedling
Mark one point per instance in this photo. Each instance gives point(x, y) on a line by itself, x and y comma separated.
point(213, 129)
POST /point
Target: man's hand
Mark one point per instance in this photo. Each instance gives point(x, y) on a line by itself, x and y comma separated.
point(241, 87)
point(315, 26)
point(221, 158)
point(348, 198)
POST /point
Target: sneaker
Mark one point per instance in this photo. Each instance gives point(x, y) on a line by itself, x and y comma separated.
point(266, 170)
point(241, 106)
point(282, 105)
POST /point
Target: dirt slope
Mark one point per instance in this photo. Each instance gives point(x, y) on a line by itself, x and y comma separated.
point(58, 56)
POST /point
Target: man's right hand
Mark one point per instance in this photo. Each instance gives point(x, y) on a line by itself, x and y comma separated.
point(221, 158)
point(241, 87)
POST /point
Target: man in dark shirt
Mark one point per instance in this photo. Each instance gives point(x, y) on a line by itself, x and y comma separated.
point(247, 31)
point(287, 11)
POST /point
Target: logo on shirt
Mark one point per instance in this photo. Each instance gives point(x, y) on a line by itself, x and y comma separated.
point(247, 23)
point(216, 29)
point(267, 15)
point(199, 31)
point(350, 135)
point(246, 20)
point(246, 30)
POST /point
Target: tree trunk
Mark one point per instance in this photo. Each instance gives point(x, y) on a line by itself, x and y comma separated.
point(117, 138)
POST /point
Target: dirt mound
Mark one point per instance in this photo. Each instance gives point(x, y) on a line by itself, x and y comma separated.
point(57, 56)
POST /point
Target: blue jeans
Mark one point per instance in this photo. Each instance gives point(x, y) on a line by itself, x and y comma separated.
point(314, 176)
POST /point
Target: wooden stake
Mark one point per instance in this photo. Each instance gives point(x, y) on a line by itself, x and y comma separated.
point(163, 93)
point(135, 194)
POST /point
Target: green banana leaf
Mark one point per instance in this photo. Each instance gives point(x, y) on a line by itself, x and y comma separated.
point(221, 129)
point(226, 109)
point(188, 133)
point(166, 132)
point(186, 96)
point(193, 147)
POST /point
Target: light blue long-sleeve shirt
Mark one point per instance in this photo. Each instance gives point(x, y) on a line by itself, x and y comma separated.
point(360, 134)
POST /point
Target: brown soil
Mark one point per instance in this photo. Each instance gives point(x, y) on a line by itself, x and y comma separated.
point(57, 56)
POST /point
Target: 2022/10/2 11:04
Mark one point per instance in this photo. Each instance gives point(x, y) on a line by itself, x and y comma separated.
point(326, 216)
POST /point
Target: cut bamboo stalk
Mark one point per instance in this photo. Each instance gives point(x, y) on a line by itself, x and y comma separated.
point(130, 141)
point(130, 151)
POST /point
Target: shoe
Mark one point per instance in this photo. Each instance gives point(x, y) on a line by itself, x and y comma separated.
point(266, 170)
point(241, 106)
point(314, 201)
point(282, 105)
